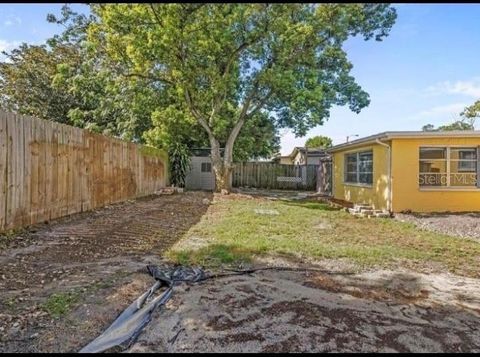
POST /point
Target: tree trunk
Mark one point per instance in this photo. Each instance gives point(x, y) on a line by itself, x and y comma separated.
point(222, 168)
point(223, 179)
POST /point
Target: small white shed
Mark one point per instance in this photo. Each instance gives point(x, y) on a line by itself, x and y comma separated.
point(200, 176)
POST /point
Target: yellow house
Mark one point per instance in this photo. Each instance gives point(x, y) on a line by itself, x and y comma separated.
point(416, 171)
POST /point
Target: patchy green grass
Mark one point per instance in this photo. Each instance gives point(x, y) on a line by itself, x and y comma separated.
point(232, 233)
point(7, 237)
point(61, 303)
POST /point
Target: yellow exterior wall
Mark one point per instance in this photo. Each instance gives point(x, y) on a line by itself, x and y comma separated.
point(406, 193)
point(377, 194)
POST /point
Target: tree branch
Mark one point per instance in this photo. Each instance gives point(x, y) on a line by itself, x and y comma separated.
point(260, 104)
point(197, 115)
point(156, 16)
point(152, 78)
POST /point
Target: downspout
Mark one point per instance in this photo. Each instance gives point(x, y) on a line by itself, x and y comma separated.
point(389, 173)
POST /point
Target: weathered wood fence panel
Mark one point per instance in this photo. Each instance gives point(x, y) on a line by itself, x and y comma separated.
point(275, 176)
point(325, 177)
point(49, 170)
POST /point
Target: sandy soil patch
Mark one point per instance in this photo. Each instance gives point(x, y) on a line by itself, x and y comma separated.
point(285, 311)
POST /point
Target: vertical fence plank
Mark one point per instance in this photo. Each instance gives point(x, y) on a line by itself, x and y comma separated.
point(27, 166)
point(19, 145)
point(10, 184)
point(49, 206)
point(20, 171)
point(3, 170)
point(86, 193)
point(43, 214)
point(54, 172)
point(78, 171)
point(63, 170)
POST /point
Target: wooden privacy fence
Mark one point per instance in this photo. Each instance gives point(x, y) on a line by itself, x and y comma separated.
point(275, 176)
point(49, 170)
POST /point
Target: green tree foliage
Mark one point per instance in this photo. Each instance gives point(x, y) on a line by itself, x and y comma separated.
point(456, 125)
point(70, 81)
point(60, 81)
point(428, 127)
point(318, 141)
point(26, 82)
point(107, 103)
point(472, 112)
point(227, 65)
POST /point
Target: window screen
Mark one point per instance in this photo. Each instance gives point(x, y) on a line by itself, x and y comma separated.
point(448, 167)
point(359, 167)
point(206, 167)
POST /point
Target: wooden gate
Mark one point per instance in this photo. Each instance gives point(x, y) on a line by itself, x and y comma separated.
point(324, 177)
point(275, 176)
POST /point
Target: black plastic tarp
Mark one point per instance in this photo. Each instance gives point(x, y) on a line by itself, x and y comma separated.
point(128, 325)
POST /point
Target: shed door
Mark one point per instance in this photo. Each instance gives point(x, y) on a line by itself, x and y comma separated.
point(200, 176)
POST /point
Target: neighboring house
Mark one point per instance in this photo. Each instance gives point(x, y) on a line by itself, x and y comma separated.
point(285, 160)
point(410, 171)
point(303, 156)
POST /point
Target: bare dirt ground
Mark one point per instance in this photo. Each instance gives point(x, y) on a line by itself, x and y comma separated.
point(465, 225)
point(101, 257)
point(285, 311)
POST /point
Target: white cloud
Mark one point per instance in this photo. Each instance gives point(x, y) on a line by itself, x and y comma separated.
point(470, 88)
point(443, 110)
point(12, 20)
point(7, 46)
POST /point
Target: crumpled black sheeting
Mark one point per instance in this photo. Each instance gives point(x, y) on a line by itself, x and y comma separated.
point(130, 323)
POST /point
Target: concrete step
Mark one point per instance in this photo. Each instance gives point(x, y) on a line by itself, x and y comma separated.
point(360, 215)
point(362, 206)
point(364, 210)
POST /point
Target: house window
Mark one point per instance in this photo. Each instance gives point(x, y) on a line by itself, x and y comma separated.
point(359, 168)
point(206, 167)
point(447, 167)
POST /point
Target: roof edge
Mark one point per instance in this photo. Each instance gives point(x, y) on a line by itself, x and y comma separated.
point(405, 135)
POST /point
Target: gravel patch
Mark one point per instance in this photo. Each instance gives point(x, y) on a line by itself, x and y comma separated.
point(465, 225)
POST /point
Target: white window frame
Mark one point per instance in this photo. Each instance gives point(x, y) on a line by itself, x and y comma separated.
point(448, 160)
point(345, 172)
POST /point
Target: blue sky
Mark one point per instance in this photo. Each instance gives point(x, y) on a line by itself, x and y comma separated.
point(426, 71)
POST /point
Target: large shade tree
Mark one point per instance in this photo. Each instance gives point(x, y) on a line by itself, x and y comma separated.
point(69, 81)
point(227, 64)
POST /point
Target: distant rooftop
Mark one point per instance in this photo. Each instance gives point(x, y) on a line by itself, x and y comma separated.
point(311, 151)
